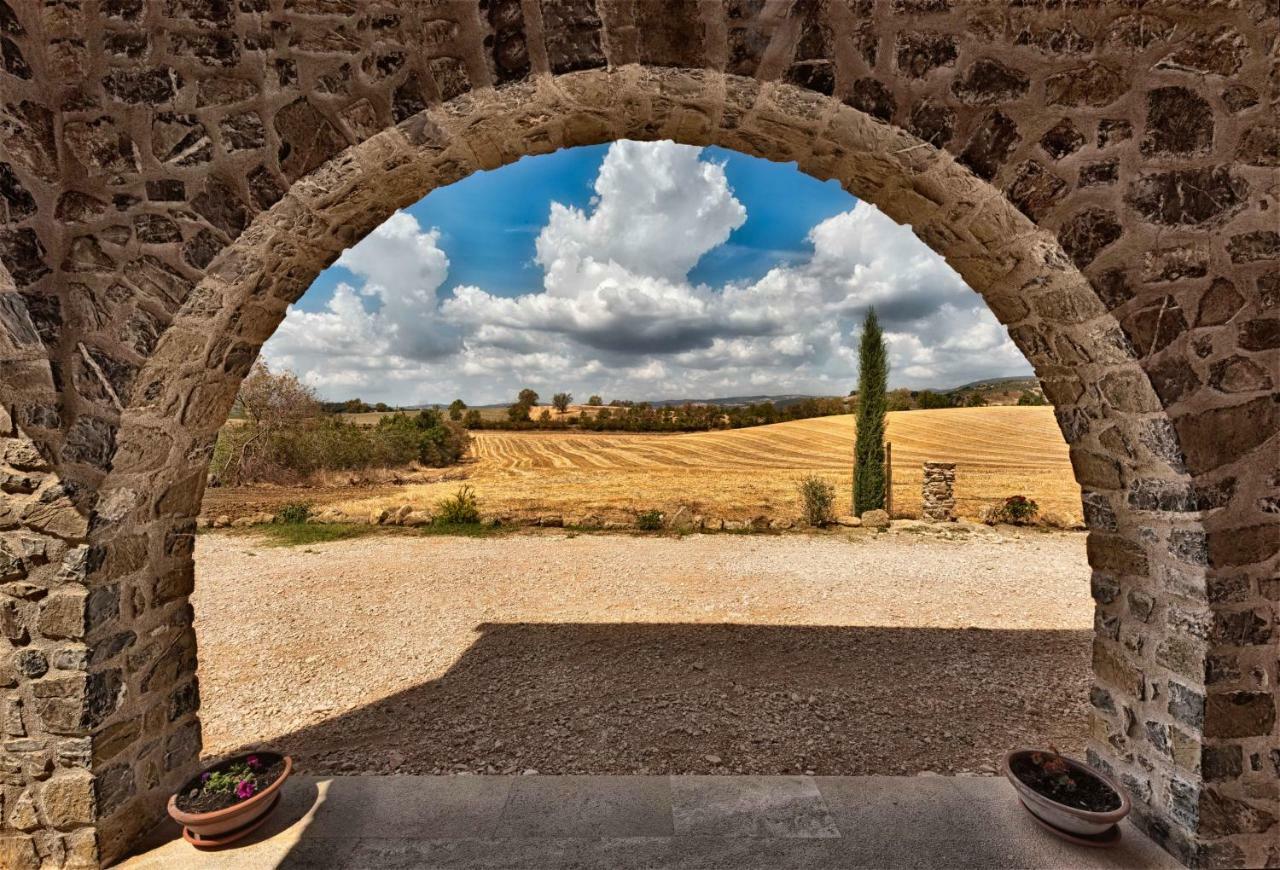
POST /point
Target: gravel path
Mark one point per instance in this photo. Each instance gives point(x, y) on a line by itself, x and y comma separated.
point(836, 654)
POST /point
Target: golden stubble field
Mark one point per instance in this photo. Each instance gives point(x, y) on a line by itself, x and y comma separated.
point(743, 473)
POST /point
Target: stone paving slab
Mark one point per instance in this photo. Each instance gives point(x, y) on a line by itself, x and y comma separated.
point(788, 807)
point(587, 806)
point(625, 822)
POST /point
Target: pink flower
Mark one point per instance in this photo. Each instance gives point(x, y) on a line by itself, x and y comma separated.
point(204, 777)
point(245, 789)
point(253, 761)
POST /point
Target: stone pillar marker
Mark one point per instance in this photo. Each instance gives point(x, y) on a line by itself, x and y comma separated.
point(938, 492)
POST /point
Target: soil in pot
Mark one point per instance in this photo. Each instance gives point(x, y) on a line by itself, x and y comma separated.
point(1049, 775)
point(215, 789)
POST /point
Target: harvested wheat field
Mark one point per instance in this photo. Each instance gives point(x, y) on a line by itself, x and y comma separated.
point(743, 473)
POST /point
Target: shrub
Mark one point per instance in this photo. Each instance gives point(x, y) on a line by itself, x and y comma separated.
point(293, 513)
point(289, 450)
point(461, 508)
point(426, 437)
point(817, 497)
point(1018, 509)
point(649, 521)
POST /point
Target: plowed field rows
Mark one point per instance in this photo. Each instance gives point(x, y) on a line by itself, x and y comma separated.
point(737, 474)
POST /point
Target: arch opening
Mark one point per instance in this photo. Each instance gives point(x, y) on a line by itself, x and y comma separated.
point(1039, 627)
point(1082, 358)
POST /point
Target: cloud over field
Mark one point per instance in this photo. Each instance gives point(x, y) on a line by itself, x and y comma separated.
point(617, 313)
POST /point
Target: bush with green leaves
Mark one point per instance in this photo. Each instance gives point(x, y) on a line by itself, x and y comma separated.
point(290, 451)
point(427, 437)
point(293, 513)
point(1019, 510)
point(649, 521)
point(817, 499)
point(460, 509)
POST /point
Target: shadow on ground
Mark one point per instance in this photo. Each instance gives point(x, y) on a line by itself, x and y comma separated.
point(688, 698)
point(713, 698)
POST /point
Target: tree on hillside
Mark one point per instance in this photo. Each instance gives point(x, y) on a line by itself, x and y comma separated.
point(456, 407)
point(1030, 398)
point(868, 449)
point(974, 399)
point(595, 401)
point(525, 400)
point(270, 404)
point(426, 436)
point(269, 400)
point(899, 400)
point(929, 399)
point(472, 419)
point(561, 402)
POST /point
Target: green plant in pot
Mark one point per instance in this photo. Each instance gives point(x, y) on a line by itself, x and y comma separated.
point(229, 800)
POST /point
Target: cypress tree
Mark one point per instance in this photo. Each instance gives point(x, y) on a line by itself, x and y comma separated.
point(868, 448)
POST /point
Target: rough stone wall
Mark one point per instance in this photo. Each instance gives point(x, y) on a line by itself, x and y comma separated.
point(938, 492)
point(174, 173)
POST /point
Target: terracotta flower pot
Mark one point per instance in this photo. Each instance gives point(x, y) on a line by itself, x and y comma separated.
point(1060, 817)
point(220, 827)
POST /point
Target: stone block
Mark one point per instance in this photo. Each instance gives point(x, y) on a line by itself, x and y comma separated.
point(18, 852)
point(67, 800)
point(875, 519)
point(1116, 553)
point(1186, 705)
point(1222, 816)
point(1222, 762)
point(115, 738)
point(1239, 714)
point(63, 614)
point(1113, 669)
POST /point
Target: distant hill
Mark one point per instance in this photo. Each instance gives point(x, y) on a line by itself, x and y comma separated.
point(781, 401)
point(996, 391)
point(1025, 382)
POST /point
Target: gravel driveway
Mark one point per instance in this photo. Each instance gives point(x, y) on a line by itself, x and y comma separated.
point(833, 654)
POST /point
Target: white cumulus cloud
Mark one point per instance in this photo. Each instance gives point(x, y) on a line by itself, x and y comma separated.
point(618, 315)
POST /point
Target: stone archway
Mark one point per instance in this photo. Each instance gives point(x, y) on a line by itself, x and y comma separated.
point(167, 198)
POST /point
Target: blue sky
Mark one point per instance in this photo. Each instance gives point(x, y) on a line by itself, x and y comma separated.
point(511, 204)
point(636, 271)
